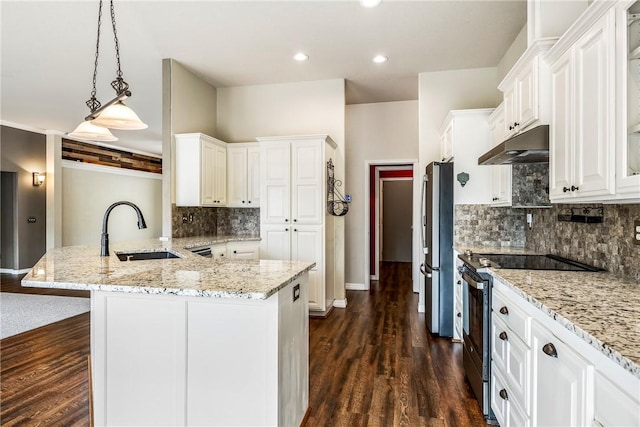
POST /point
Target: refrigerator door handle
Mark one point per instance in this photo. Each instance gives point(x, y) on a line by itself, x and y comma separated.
point(423, 215)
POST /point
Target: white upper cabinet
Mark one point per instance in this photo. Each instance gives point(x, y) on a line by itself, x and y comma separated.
point(628, 105)
point(500, 174)
point(446, 143)
point(526, 97)
point(243, 175)
point(201, 170)
point(582, 138)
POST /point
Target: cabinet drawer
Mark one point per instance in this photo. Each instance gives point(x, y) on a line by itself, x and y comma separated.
point(513, 358)
point(613, 407)
point(513, 317)
point(506, 409)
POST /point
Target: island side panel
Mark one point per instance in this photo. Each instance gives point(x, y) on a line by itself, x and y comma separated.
point(138, 358)
point(293, 365)
point(232, 363)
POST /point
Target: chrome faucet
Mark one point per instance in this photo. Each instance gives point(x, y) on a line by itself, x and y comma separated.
point(104, 241)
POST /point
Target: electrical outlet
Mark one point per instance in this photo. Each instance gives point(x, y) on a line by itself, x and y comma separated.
point(636, 232)
point(185, 219)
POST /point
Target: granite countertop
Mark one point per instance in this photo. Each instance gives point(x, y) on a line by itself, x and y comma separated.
point(82, 268)
point(601, 308)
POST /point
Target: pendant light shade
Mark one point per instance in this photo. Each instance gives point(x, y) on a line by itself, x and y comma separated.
point(88, 131)
point(119, 116)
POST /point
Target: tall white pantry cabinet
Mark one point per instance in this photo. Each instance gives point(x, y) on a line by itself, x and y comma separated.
point(294, 222)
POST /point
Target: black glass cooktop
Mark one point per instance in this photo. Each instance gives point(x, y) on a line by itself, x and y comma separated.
point(533, 262)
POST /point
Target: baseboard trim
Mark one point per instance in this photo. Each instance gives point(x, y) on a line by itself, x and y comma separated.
point(355, 287)
point(10, 271)
point(321, 314)
point(340, 303)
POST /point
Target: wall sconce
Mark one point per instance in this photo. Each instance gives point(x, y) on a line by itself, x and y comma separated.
point(38, 179)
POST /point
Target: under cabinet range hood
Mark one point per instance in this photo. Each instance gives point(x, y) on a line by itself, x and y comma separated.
point(531, 146)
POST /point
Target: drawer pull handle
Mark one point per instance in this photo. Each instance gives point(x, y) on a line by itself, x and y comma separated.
point(459, 314)
point(550, 350)
point(503, 394)
point(504, 310)
point(503, 336)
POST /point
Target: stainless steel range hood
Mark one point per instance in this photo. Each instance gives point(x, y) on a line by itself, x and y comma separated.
point(531, 146)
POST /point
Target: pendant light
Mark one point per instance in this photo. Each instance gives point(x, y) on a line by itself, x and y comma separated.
point(114, 114)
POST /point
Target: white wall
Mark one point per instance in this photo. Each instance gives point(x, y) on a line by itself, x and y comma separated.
point(511, 56)
point(247, 112)
point(189, 104)
point(381, 132)
point(88, 190)
point(441, 92)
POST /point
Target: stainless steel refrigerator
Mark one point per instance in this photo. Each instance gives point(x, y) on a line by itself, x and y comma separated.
point(437, 246)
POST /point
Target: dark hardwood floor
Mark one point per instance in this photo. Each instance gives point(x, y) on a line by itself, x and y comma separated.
point(372, 364)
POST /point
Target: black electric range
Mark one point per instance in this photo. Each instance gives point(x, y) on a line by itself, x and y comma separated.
point(524, 262)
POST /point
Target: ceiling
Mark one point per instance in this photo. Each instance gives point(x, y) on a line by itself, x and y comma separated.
point(47, 50)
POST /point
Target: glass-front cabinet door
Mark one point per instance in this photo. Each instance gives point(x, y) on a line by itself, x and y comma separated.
point(628, 138)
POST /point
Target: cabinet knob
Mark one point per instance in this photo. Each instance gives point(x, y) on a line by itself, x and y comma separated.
point(221, 254)
point(503, 336)
point(286, 229)
point(249, 201)
point(286, 220)
point(295, 220)
point(495, 199)
point(243, 201)
point(550, 350)
point(503, 394)
point(295, 229)
point(573, 188)
point(510, 127)
point(459, 282)
point(565, 189)
point(459, 315)
point(504, 310)
point(516, 124)
point(235, 252)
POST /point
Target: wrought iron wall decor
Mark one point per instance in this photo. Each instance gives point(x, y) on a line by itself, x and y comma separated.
point(336, 203)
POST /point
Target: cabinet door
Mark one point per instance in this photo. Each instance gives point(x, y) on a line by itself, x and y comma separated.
point(501, 185)
point(208, 167)
point(219, 251)
point(237, 176)
point(275, 170)
point(220, 176)
point(595, 109)
point(562, 384)
point(253, 177)
point(275, 241)
point(308, 245)
point(243, 250)
point(510, 110)
point(561, 133)
point(496, 125)
point(307, 179)
point(527, 98)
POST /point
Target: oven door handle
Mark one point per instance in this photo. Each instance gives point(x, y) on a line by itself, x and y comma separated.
point(423, 270)
point(472, 282)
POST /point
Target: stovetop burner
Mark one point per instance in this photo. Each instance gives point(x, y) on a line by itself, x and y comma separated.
point(525, 262)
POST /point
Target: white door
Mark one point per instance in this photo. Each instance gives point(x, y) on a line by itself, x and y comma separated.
point(220, 175)
point(562, 382)
point(275, 242)
point(253, 177)
point(275, 170)
point(560, 135)
point(237, 176)
point(527, 83)
point(307, 176)
point(595, 134)
point(208, 166)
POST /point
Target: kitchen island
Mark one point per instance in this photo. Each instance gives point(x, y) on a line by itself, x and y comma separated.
point(189, 340)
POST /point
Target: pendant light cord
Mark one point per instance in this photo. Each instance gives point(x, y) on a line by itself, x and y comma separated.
point(93, 103)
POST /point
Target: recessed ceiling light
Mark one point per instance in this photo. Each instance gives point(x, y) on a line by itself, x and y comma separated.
point(300, 56)
point(379, 59)
point(370, 3)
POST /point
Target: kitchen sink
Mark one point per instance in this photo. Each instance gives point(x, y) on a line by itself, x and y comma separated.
point(139, 256)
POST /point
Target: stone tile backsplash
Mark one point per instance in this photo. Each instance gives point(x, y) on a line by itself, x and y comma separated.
point(530, 184)
point(215, 221)
point(607, 245)
point(478, 225)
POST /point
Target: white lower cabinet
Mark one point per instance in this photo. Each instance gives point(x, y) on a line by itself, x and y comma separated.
point(243, 250)
point(545, 375)
point(562, 380)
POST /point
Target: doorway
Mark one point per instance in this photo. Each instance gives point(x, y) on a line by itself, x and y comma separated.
point(377, 174)
point(396, 198)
